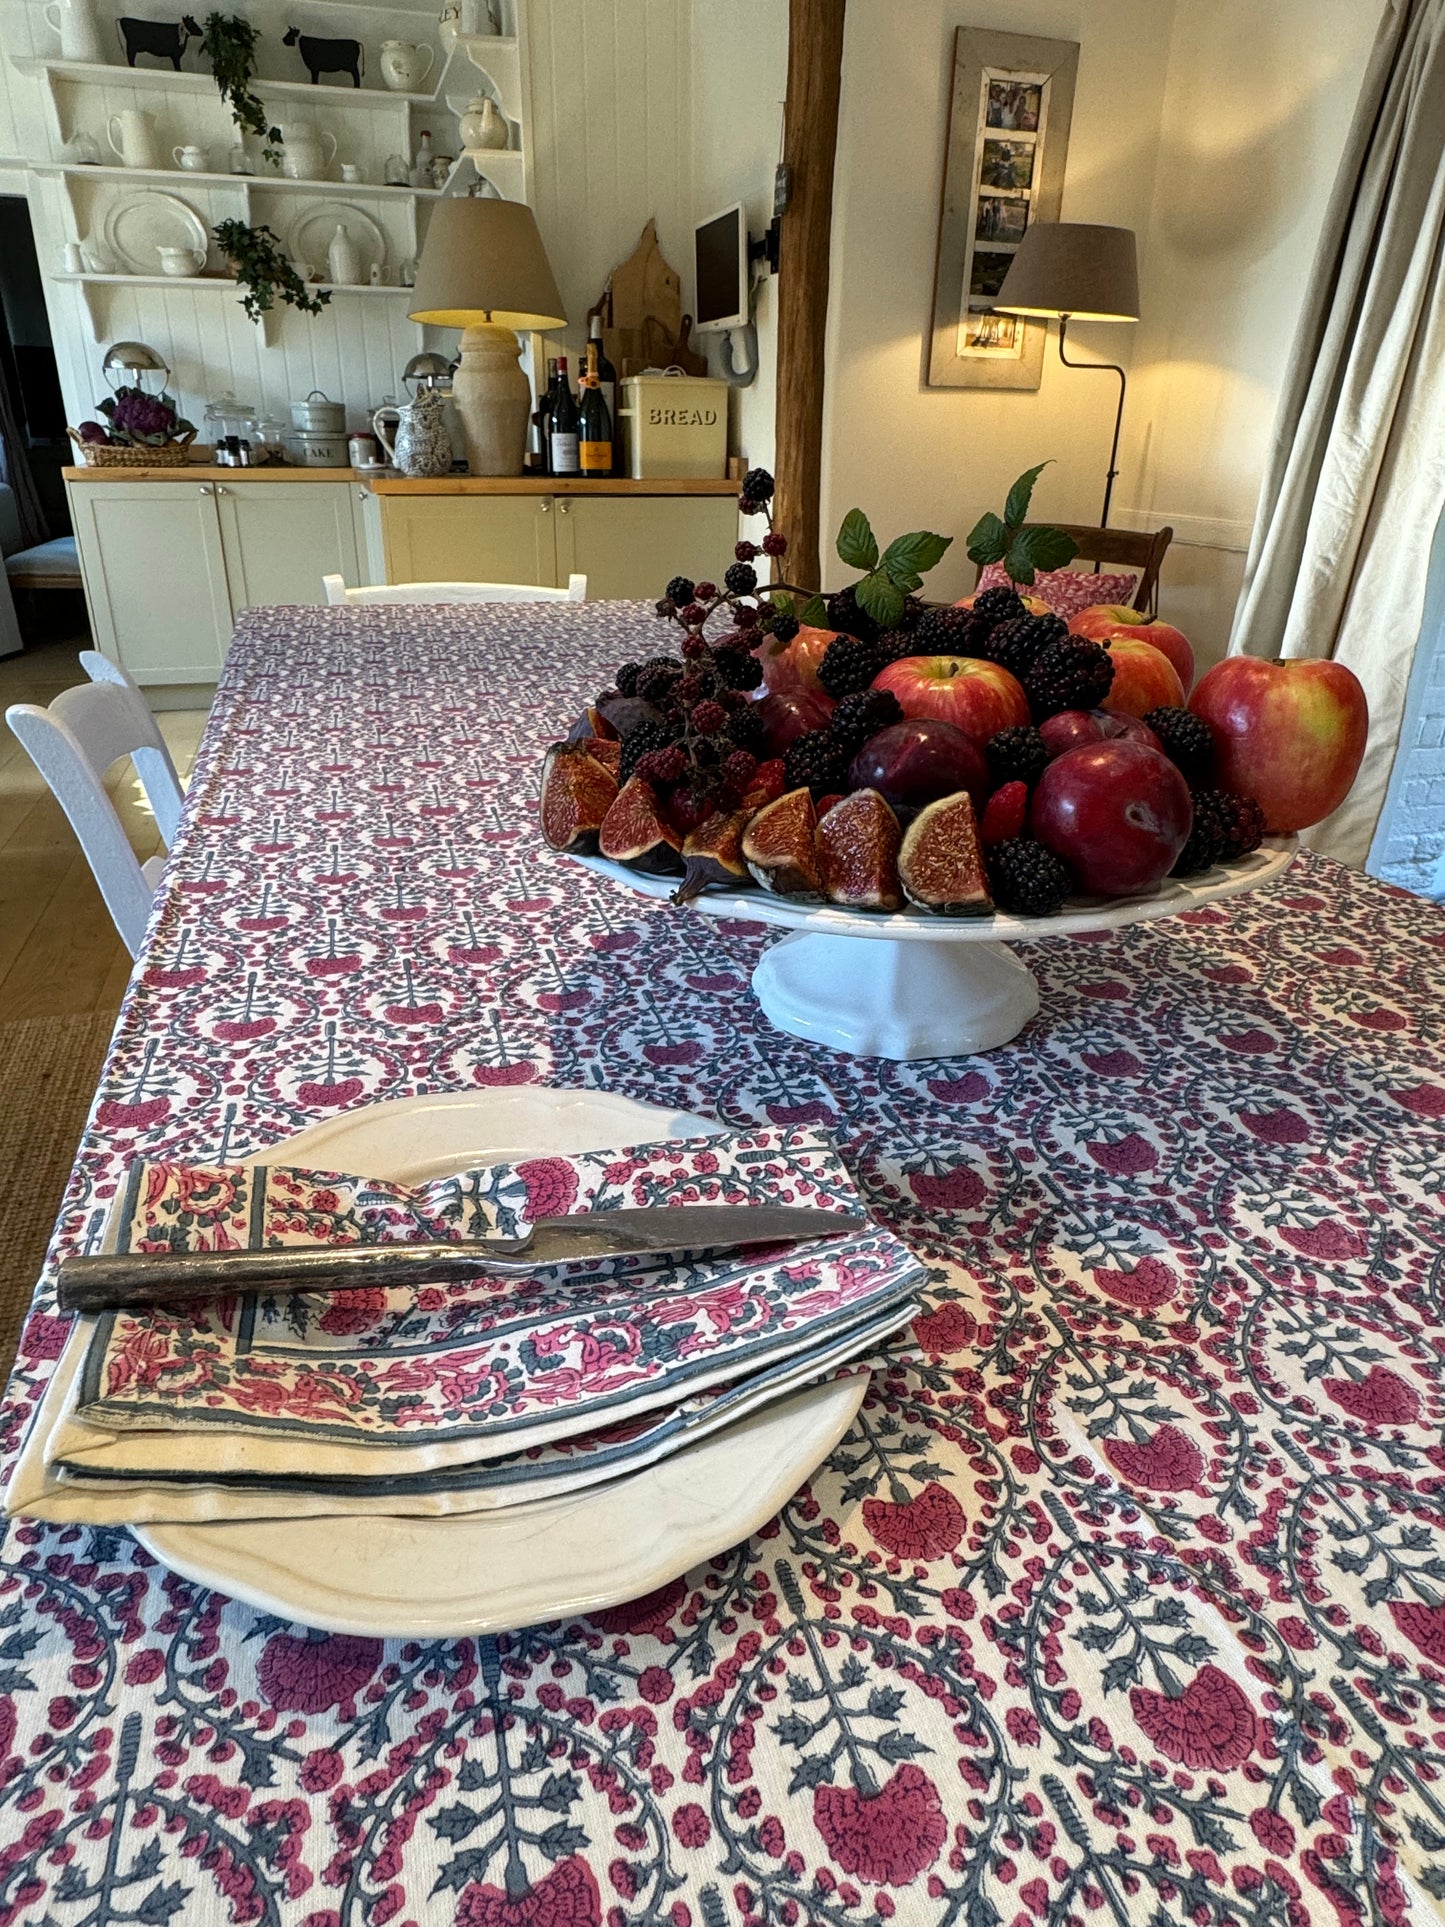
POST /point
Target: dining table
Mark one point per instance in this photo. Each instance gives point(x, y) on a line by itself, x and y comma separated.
point(1122, 1599)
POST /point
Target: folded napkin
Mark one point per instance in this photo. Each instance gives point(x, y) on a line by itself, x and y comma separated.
point(432, 1399)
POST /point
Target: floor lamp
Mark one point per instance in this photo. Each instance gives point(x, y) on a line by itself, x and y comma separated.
point(1073, 271)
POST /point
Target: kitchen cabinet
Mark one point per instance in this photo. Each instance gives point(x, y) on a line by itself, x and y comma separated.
point(632, 545)
point(170, 564)
point(465, 538)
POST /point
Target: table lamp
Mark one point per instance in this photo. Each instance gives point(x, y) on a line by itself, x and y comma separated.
point(1074, 271)
point(484, 270)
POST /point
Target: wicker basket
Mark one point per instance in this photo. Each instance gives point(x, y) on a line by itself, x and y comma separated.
point(120, 455)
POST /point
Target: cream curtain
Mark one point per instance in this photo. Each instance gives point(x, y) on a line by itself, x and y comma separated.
point(1356, 474)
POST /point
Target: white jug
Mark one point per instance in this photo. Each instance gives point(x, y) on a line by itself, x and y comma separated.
point(195, 160)
point(75, 22)
point(182, 262)
point(423, 446)
point(401, 65)
point(137, 146)
point(344, 259)
point(304, 155)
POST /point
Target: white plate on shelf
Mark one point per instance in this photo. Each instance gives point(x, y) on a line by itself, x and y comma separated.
point(497, 1571)
point(136, 228)
point(312, 232)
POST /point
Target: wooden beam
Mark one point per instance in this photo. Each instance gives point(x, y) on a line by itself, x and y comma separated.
point(815, 71)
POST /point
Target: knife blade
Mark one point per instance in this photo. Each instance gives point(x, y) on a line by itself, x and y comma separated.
point(114, 1281)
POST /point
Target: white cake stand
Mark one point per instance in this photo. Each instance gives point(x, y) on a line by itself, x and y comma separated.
point(914, 985)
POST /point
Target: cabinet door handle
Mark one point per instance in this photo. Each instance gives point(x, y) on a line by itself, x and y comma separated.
point(564, 508)
point(221, 489)
point(545, 504)
point(205, 488)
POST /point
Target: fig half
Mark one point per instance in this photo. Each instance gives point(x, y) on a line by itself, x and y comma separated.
point(940, 864)
point(779, 846)
point(577, 792)
point(858, 843)
point(635, 831)
point(712, 855)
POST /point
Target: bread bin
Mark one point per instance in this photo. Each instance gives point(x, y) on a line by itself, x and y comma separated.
point(318, 416)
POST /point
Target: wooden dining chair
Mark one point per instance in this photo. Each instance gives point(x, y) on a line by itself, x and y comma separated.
point(337, 592)
point(73, 743)
point(1141, 549)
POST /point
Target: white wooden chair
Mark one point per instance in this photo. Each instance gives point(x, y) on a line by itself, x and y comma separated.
point(73, 743)
point(337, 592)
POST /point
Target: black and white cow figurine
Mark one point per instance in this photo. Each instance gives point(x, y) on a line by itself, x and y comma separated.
point(327, 56)
point(166, 39)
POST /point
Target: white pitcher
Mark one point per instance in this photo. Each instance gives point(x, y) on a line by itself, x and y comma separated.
point(75, 22)
point(138, 145)
point(304, 153)
point(182, 262)
point(401, 65)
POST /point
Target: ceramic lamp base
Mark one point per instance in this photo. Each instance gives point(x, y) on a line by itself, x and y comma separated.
point(874, 997)
point(493, 400)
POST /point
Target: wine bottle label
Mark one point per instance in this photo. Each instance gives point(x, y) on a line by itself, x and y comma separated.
point(595, 456)
point(564, 454)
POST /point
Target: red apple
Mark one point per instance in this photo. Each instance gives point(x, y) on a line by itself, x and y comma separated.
point(1071, 728)
point(1291, 734)
point(1102, 621)
point(1144, 679)
point(980, 698)
point(793, 665)
point(1117, 813)
point(786, 713)
point(917, 761)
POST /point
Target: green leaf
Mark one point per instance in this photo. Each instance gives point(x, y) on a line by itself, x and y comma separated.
point(882, 599)
point(987, 540)
point(1016, 508)
point(814, 613)
point(857, 545)
point(912, 556)
point(783, 603)
point(1035, 549)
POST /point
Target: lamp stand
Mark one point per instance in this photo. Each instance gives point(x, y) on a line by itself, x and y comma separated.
point(493, 399)
point(1103, 367)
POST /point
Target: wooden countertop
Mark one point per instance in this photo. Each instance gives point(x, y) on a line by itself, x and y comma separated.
point(204, 472)
point(552, 485)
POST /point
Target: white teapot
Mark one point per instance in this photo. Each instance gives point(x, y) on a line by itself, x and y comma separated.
point(401, 65)
point(182, 262)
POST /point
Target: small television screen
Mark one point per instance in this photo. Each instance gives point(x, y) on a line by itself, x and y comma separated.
point(721, 260)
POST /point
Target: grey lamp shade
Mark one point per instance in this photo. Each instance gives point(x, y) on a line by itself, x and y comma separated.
point(1076, 269)
point(484, 261)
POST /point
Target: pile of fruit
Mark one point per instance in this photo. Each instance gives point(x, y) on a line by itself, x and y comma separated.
point(875, 751)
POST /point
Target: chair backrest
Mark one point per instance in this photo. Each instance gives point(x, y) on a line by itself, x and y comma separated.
point(153, 763)
point(420, 592)
point(73, 743)
point(1141, 549)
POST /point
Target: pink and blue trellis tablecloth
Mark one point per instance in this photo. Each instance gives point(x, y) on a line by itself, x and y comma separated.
point(1124, 1601)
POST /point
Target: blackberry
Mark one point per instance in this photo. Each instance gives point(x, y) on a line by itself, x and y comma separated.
point(693, 615)
point(705, 592)
point(641, 742)
point(1205, 842)
point(775, 543)
point(942, 632)
point(741, 578)
point(862, 715)
point(626, 678)
point(1026, 879)
point(911, 613)
point(709, 717)
point(663, 765)
point(815, 761)
point(1016, 756)
point(738, 771)
point(999, 604)
point(739, 668)
point(758, 485)
point(745, 615)
point(657, 680)
point(745, 728)
point(1242, 820)
point(847, 614)
point(710, 752)
point(1186, 740)
point(746, 551)
point(679, 590)
point(1070, 674)
point(785, 627)
point(849, 663)
point(747, 506)
point(1018, 643)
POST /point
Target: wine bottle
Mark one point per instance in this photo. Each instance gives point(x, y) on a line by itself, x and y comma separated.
point(606, 373)
point(594, 441)
point(539, 434)
point(563, 434)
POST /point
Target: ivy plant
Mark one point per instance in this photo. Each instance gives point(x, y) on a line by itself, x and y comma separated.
point(229, 43)
point(264, 271)
point(1023, 552)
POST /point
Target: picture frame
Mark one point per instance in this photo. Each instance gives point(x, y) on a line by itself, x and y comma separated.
point(1010, 109)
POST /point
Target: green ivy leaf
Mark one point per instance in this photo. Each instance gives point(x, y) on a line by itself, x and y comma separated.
point(882, 599)
point(1035, 549)
point(857, 544)
point(987, 540)
point(814, 613)
point(908, 559)
point(1016, 508)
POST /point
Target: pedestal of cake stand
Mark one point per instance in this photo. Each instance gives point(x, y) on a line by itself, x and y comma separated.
point(877, 997)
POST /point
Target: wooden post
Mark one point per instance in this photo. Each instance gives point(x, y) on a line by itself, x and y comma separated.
point(815, 69)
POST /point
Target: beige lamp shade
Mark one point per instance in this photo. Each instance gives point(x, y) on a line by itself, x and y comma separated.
point(1071, 268)
point(483, 261)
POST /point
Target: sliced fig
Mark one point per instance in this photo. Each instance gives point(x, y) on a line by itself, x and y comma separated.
point(712, 855)
point(635, 831)
point(620, 715)
point(605, 750)
point(591, 723)
point(940, 864)
point(577, 792)
point(779, 846)
point(858, 843)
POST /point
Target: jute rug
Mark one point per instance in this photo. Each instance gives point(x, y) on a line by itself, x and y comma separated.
point(49, 1068)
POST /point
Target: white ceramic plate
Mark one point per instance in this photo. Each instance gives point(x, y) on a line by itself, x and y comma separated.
point(136, 228)
point(312, 232)
point(494, 1572)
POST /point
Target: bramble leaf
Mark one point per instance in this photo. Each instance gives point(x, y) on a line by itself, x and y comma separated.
point(857, 544)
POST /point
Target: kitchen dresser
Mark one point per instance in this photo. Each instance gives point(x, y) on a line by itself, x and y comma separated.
point(170, 557)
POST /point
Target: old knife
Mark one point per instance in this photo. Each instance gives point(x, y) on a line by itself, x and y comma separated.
point(158, 1278)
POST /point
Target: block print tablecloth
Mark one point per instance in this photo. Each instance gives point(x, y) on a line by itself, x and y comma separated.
point(1125, 1599)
